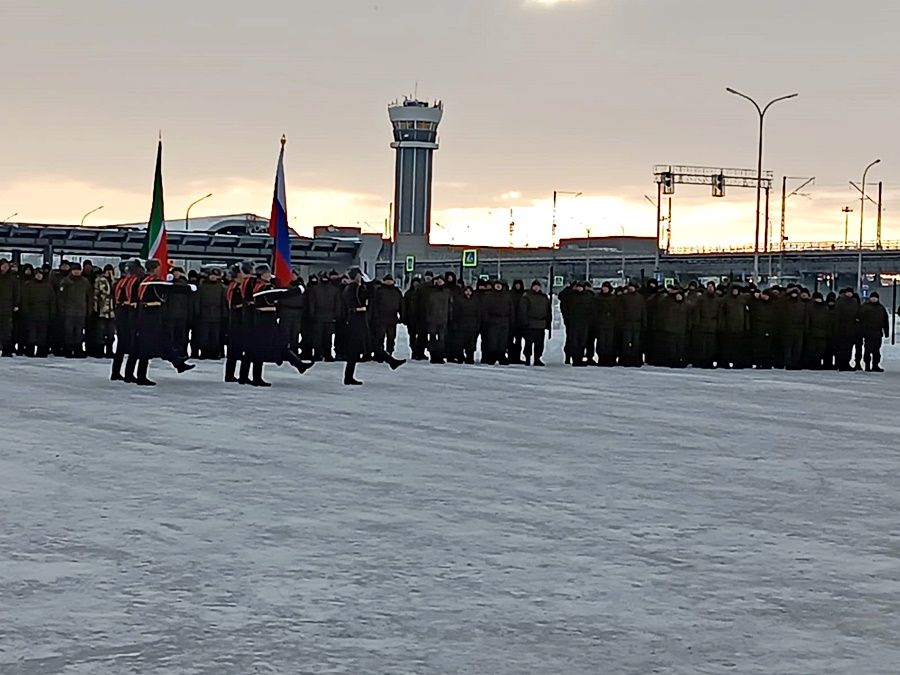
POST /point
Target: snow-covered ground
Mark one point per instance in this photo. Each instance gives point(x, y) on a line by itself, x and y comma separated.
point(449, 520)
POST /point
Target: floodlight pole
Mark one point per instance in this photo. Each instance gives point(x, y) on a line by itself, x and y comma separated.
point(762, 114)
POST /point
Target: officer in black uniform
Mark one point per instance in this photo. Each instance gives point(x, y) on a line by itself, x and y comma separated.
point(356, 297)
point(125, 309)
point(152, 338)
point(234, 301)
point(267, 340)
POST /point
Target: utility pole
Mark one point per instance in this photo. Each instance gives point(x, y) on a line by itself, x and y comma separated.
point(669, 228)
point(553, 243)
point(659, 224)
point(394, 241)
point(846, 211)
point(659, 219)
point(766, 237)
point(587, 263)
point(784, 197)
point(878, 235)
point(553, 224)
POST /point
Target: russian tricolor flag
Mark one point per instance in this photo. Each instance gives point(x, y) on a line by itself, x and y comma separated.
point(278, 226)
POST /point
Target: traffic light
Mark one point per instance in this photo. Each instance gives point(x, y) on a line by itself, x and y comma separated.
point(668, 183)
point(718, 185)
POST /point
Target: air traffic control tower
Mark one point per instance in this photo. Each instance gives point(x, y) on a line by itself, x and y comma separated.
point(415, 140)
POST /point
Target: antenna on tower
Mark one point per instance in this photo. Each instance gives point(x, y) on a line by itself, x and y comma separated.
point(416, 91)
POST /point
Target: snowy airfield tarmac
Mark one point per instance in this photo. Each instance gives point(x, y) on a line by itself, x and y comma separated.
point(449, 520)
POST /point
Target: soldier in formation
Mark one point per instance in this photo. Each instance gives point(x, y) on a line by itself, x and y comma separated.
point(78, 311)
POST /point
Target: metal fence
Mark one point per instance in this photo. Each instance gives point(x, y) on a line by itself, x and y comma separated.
point(790, 246)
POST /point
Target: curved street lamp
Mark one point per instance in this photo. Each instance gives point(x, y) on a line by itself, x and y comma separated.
point(762, 113)
point(862, 207)
point(187, 214)
point(89, 213)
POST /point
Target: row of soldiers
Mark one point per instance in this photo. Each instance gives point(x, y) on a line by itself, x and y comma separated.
point(265, 322)
point(68, 311)
point(256, 334)
point(71, 311)
point(705, 327)
point(720, 326)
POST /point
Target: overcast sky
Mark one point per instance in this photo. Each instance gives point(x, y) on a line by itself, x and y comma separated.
point(581, 95)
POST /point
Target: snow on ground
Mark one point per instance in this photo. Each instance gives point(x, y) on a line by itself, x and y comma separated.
point(449, 520)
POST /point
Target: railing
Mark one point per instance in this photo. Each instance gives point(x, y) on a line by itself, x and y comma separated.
point(790, 247)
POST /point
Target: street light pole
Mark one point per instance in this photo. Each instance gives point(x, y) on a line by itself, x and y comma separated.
point(862, 207)
point(624, 278)
point(762, 114)
point(187, 214)
point(87, 214)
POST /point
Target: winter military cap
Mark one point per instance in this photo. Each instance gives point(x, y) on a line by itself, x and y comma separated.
point(388, 277)
point(75, 266)
point(247, 267)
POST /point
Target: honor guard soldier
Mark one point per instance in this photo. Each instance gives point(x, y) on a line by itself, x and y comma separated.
point(356, 302)
point(235, 300)
point(125, 308)
point(152, 339)
point(267, 341)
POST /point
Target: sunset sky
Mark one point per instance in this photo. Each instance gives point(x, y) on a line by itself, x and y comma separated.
point(573, 95)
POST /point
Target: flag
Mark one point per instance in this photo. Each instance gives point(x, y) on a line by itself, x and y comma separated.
point(278, 226)
point(156, 244)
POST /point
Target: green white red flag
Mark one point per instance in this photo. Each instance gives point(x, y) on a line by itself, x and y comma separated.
point(156, 244)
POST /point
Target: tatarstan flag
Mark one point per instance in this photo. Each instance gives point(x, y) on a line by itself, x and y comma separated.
point(278, 226)
point(156, 245)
